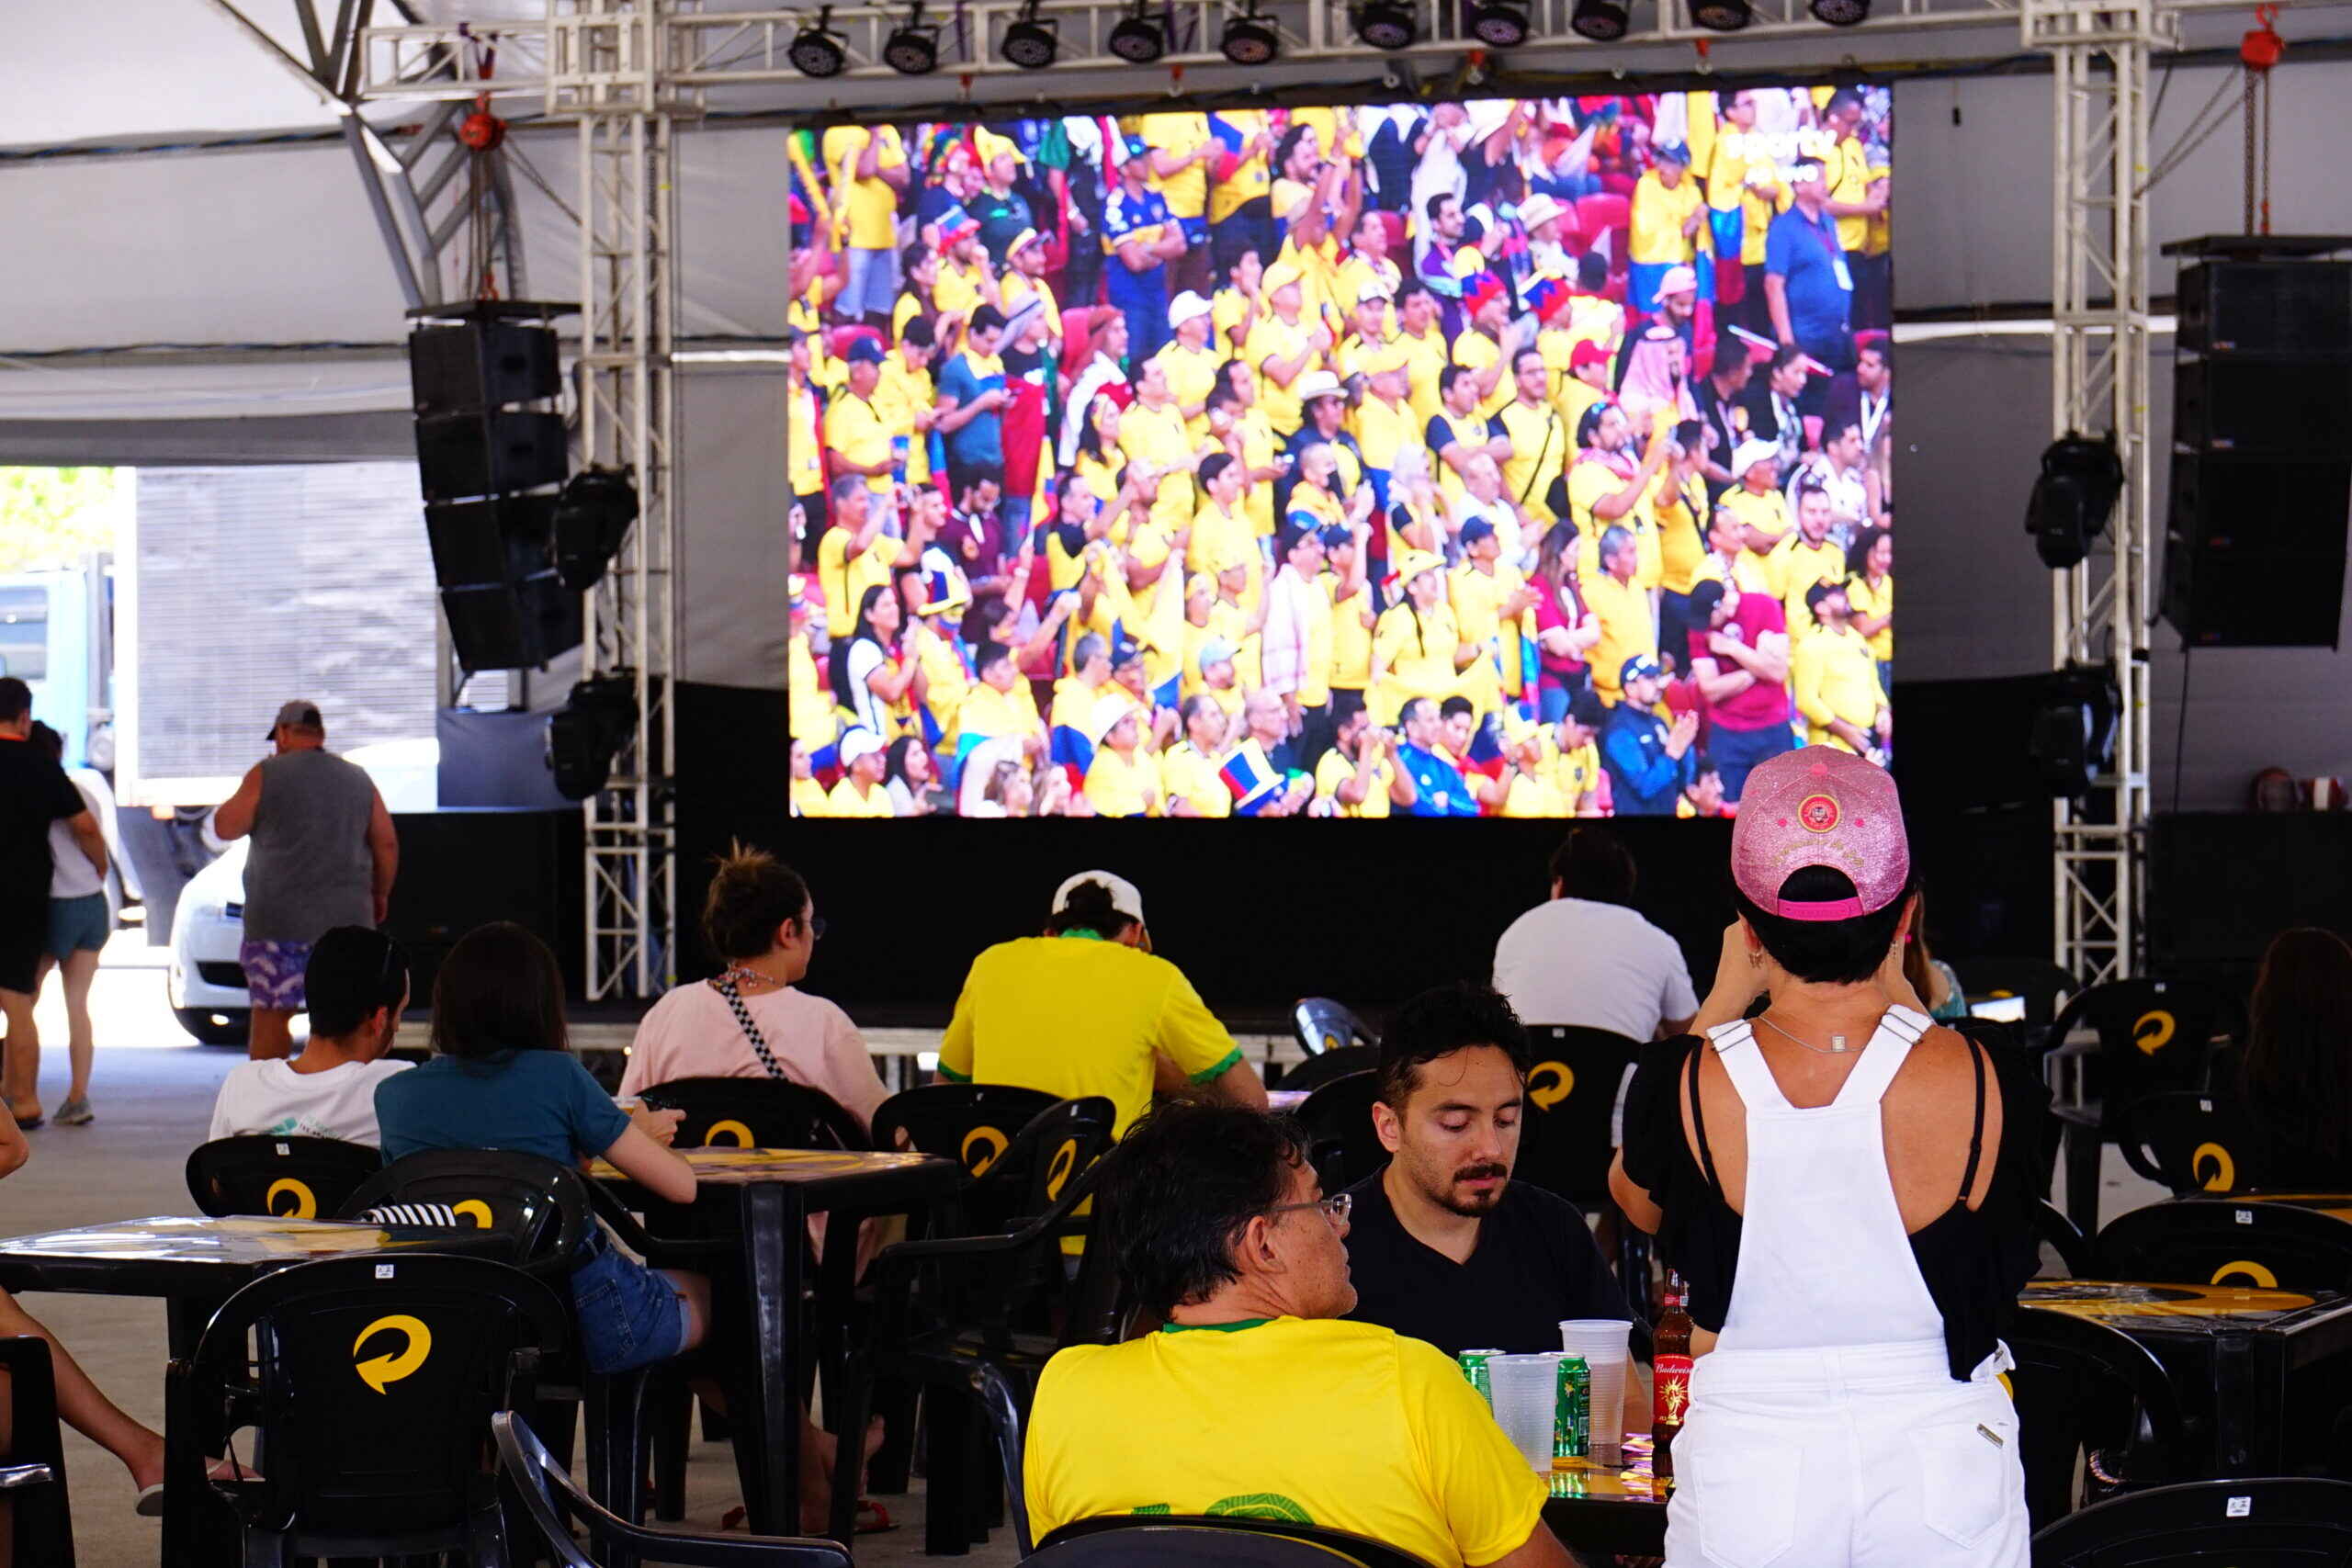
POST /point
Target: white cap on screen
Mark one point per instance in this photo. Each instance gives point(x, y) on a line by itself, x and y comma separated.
point(1124, 897)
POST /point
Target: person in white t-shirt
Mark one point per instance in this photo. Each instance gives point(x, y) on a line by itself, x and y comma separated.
point(357, 986)
point(750, 1022)
point(1585, 958)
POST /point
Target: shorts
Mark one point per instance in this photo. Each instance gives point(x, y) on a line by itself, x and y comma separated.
point(872, 287)
point(273, 973)
point(24, 931)
point(629, 1316)
point(77, 925)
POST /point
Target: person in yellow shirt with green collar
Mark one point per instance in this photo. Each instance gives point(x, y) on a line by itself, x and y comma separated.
point(1835, 680)
point(1233, 1249)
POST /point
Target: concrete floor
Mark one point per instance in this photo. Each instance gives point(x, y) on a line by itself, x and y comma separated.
point(153, 1091)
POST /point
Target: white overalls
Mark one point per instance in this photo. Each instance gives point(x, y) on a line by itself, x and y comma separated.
point(1825, 1430)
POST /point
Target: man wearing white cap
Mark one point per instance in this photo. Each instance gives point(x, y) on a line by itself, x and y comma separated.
point(1375, 361)
point(1087, 1008)
point(860, 791)
point(1323, 402)
point(1755, 497)
point(1191, 361)
point(1121, 781)
point(1369, 265)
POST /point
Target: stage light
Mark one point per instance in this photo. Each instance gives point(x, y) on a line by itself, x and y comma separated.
point(1387, 24)
point(1602, 21)
point(592, 518)
point(2071, 738)
point(1841, 13)
point(1136, 40)
point(1498, 24)
point(1249, 38)
point(2080, 480)
point(913, 50)
point(593, 726)
point(816, 50)
point(1722, 15)
point(1030, 43)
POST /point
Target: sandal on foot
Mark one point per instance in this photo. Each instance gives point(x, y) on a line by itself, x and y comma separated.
point(872, 1519)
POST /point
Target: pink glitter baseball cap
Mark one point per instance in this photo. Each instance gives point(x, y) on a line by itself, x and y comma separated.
point(1820, 807)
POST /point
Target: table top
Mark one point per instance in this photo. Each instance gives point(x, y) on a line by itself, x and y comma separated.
point(2143, 1308)
point(146, 1257)
point(723, 1166)
point(2336, 1205)
point(1583, 1480)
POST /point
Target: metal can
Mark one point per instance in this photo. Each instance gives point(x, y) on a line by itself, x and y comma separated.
point(1473, 1366)
point(1572, 1410)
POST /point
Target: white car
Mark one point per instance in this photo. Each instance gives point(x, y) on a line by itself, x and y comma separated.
point(205, 983)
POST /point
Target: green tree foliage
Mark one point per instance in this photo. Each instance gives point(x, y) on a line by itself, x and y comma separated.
point(52, 517)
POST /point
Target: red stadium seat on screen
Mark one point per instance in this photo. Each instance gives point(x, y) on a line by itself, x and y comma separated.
point(1394, 222)
point(837, 339)
point(1596, 214)
point(1076, 321)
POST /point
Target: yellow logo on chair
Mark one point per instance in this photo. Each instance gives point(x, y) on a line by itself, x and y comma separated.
point(378, 1371)
point(2225, 1169)
point(1549, 1083)
point(731, 1132)
point(2153, 1032)
point(1057, 1173)
point(306, 1202)
point(990, 1145)
point(473, 1209)
point(2245, 1268)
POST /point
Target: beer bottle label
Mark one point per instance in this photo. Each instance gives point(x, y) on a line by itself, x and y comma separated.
point(1673, 1381)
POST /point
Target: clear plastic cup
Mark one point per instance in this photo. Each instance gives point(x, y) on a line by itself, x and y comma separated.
point(1525, 1389)
point(1603, 1343)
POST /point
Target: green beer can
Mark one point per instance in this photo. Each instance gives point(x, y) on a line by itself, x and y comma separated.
point(1473, 1366)
point(1572, 1410)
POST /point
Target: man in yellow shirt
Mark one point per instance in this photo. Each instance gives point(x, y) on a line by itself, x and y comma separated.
point(1183, 150)
point(1422, 342)
point(1756, 499)
point(1123, 780)
point(869, 170)
point(1575, 757)
point(1346, 584)
point(1221, 529)
point(1628, 626)
point(858, 432)
point(854, 553)
point(1087, 1008)
point(1528, 789)
point(1854, 198)
point(1188, 771)
point(1373, 360)
point(804, 445)
point(1540, 444)
point(807, 711)
point(1667, 214)
point(807, 797)
point(1190, 361)
point(1608, 486)
point(860, 792)
point(1486, 345)
point(1460, 434)
point(1284, 347)
point(1805, 557)
point(1352, 1426)
point(904, 396)
point(1158, 448)
point(1835, 680)
point(1490, 599)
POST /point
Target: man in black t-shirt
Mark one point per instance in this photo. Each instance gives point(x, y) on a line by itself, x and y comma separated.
point(34, 793)
point(1443, 1246)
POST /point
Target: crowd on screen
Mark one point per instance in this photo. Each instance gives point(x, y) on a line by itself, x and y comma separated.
point(1503, 457)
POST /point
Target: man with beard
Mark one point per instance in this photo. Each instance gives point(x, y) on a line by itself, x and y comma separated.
point(1445, 1246)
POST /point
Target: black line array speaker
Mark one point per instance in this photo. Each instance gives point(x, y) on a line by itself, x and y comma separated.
point(490, 450)
point(2262, 448)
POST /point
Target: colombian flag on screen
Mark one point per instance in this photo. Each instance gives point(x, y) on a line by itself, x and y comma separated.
point(1249, 777)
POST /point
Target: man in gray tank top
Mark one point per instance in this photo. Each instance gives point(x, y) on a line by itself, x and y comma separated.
point(323, 855)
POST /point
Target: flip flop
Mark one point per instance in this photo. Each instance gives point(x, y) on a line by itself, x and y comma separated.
point(872, 1519)
point(150, 1498)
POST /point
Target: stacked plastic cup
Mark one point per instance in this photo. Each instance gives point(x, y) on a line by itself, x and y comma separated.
point(1603, 1343)
point(1525, 1388)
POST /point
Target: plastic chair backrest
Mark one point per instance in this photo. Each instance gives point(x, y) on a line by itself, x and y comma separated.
point(2192, 1143)
point(2061, 1235)
point(1180, 1540)
point(1564, 1142)
point(2153, 1036)
point(1058, 1146)
point(1331, 1065)
point(972, 1124)
point(299, 1179)
point(1337, 1117)
point(1322, 1024)
point(756, 1113)
point(373, 1389)
point(2224, 1241)
point(2083, 1386)
point(2268, 1523)
point(543, 1205)
point(552, 1500)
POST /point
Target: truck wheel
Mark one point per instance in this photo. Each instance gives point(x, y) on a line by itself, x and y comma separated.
point(215, 1026)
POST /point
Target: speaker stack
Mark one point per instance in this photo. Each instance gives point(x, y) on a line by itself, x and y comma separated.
point(2262, 442)
point(490, 453)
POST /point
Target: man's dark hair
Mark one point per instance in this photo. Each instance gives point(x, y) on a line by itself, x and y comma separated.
point(989, 653)
point(1436, 204)
point(1592, 272)
point(1841, 100)
point(847, 487)
point(1180, 1187)
point(1594, 864)
point(499, 989)
point(914, 255)
point(1519, 360)
point(1788, 354)
point(986, 318)
point(918, 333)
point(1704, 597)
point(1703, 769)
point(1454, 707)
point(1880, 346)
point(752, 895)
point(1692, 434)
point(1827, 953)
point(1214, 464)
point(353, 971)
point(1820, 590)
point(1087, 908)
point(1407, 288)
point(16, 699)
point(1447, 378)
point(1440, 1021)
point(1411, 706)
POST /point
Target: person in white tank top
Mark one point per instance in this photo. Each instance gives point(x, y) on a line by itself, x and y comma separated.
point(1826, 1179)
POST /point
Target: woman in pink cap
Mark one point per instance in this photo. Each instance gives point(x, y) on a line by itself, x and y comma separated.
point(1846, 1189)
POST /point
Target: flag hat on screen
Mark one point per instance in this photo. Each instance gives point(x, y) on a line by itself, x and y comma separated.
point(1820, 807)
point(1249, 776)
point(1124, 897)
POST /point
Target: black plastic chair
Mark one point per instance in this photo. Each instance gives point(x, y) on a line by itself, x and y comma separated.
point(2083, 1388)
point(2216, 1241)
point(32, 1478)
point(1323, 1025)
point(2153, 1037)
point(1564, 1142)
point(2286, 1522)
point(553, 1504)
point(299, 1179)
point(953, 1314)
point(1183, 1540)
point(1337, 1118)
point(2056, 1232)
point(380, 1454)
point(756, 1113)
point(1316, 1071)
point(2197, 1143)
point(971, 1123)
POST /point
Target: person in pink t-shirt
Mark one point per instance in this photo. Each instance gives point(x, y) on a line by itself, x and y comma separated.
point(760, 920)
